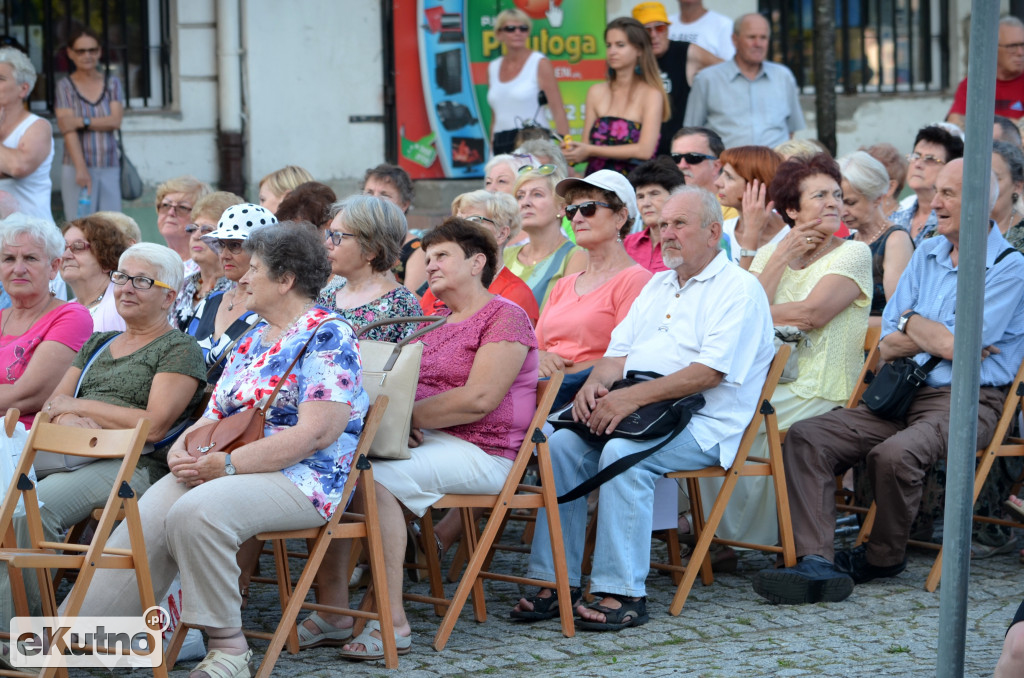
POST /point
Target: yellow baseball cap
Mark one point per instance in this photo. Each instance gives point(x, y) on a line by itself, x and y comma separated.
point(649, 12)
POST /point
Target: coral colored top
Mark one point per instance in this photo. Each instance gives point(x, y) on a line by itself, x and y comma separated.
point(448, 355)
point(68, 324)
point(506, 284)
point(579, 327)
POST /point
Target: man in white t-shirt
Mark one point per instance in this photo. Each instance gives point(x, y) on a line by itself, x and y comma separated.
point(710, 30)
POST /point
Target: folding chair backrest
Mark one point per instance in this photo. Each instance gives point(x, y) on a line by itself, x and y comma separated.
point(771, 381)
point(870, 365)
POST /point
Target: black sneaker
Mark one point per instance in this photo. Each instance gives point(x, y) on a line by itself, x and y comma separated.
point(854, 562)
point(811, 581)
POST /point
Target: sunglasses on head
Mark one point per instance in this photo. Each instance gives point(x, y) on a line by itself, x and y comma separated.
point(204, 230)
point(513, 29)
point(691, 158)
point(587, 209)
point(542, 170)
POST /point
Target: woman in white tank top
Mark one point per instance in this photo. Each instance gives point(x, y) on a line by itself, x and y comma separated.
point(26, 152)
point(515, 80)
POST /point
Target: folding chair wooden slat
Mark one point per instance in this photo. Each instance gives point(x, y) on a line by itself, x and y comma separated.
point(41, 555)
point(743, 465)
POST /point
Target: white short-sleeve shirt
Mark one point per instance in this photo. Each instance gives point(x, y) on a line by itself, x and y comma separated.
point(719, 318)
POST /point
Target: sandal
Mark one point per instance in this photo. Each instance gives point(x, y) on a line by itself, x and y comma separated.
point(980, 551)
point(327, 634)
point(546, 608)
point(373, 647)
point(631, 613)
point(1014, 503)
point(219, 664)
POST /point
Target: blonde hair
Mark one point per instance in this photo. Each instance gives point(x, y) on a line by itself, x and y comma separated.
point(212, 206)
point(510, 15)
point(551, 180)
point(188, 185)
point(124, 223)
point(800, 148)
point(285, 179)
point(501, 207)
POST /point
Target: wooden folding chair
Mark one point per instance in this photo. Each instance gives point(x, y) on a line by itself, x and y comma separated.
point(1001, 445)
point(744, 465)
point(844, 497)
point(481, 546)
point(342, 525)
point(42, 555)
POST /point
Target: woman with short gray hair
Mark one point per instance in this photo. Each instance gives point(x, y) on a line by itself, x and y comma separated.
point(865, 184)
point(1008, 167)
point(27, 149)
point(363, 242)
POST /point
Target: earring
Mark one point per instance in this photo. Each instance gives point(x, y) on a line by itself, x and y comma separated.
point(638, 70)
point(611, 73)
point(1016, 196)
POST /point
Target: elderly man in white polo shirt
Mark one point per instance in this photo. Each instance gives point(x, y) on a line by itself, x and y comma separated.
point(706, 326)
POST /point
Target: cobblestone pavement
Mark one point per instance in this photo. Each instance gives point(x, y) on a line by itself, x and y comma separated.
point(886, 628)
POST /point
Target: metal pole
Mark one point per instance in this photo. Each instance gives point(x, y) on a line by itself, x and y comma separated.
point(970, 287)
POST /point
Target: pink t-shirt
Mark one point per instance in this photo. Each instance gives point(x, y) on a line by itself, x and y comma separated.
point(68, 324)
point(579, 327)
point(644, 251)
point(448, 354)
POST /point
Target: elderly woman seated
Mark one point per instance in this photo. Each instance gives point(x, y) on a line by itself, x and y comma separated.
point(476, 395)
point(93, 246)
point(195, 518)
point(148, 371)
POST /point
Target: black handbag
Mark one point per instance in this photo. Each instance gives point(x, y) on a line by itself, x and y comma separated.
point(665, 417)
point(893, 389)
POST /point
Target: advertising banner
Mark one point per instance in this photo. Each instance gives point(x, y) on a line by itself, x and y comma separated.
point(442, 49)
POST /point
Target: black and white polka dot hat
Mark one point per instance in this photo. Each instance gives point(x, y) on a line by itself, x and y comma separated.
point(238, 221)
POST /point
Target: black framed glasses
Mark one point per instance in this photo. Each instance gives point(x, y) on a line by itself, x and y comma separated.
point(203, 230)
point(179, 208)
point(542, 170)
point(77, 246)
point(691, 158)
point(587, 209)
point(477, 218)
point(512, 29)
point(232, 246)
point(337, 236)
point(139, 282)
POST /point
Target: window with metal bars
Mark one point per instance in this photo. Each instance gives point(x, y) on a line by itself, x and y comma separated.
point(882, 46)
point(134, 34)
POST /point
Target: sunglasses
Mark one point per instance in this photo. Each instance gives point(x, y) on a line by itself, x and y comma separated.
point(513, 29)
point(477, 218)
point(204, 230)
point(232, 246)
point(542, 170)
point(336, 237)
point(657, 28)
point(926, 159)
point(691, 158)
point(77, 246)
point(139, 282)
point(587, 209)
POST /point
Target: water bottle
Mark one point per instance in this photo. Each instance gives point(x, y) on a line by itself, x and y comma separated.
point(84, 203)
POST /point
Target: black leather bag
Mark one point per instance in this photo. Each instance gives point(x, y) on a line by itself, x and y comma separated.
point(893, 389)
point(666, 417)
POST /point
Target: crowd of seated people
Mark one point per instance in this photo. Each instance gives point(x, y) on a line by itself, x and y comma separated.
point(537, 272)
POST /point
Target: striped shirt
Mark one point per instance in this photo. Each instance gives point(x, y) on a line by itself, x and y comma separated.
point(99, 148)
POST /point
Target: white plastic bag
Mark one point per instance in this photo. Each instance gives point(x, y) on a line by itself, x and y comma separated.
point(193, 646)
point(10, 453)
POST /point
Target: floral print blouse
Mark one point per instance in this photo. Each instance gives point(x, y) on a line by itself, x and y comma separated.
point(398, 303)
point(609, 131)
point(330, 371)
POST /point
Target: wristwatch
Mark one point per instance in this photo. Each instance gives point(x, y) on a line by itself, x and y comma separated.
point(86, 122)
point(748, 253)
point(904, 319)
point(229, 468)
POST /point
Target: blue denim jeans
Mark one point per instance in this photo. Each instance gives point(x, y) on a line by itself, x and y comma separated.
point(622, 553)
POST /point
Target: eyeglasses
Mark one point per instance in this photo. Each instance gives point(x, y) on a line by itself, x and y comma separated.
point(337, 236)
point(86, 50)
point(587, 209)
point(232, 246)
point(139, 282)
point(477, 218)
point(655, 29)
point(926, 159)
point(179, 208)
point(691, 158)
point(542, 170)
point(204, 230)
point(77, 246)
point(1013, 46)
point(513, 29)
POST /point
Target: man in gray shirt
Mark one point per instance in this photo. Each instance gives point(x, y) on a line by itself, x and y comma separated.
point(748, 101)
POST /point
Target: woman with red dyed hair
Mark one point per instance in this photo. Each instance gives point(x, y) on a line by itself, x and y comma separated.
point(747, 173)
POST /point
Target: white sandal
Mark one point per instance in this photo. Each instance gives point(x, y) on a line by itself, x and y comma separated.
point(326, 633)
point(220, 664)
point(373, 647)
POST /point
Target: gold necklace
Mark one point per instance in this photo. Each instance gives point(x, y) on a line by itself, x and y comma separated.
point(234, 298)
point(821, 252)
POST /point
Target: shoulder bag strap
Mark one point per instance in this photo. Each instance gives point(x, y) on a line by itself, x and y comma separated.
point(92, 359)
point(1005, 253)
point(287, 372)
point(230, 347)
point(434, 321)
